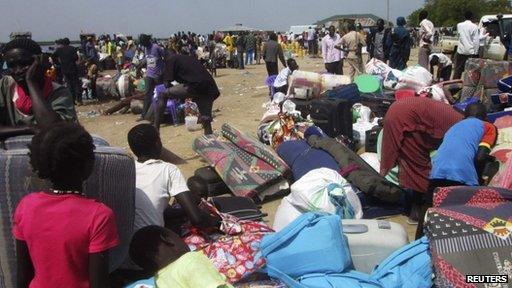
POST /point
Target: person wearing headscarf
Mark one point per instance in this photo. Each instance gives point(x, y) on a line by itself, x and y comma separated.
point(400, 42)
point(29, 100)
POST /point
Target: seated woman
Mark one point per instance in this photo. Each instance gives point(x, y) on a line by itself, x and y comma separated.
point(158, 183)
point(63, 237)
point(28, 99)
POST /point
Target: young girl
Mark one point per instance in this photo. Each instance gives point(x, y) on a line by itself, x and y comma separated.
point(62, 237)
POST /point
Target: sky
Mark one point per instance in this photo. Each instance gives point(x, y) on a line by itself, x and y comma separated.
point(52, 19)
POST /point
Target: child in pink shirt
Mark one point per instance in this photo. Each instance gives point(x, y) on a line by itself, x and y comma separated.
point(62, 237)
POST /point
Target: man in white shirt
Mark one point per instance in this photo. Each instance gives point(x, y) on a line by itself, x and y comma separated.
point(281, 82)
point(426, 35)
point(331, 52)
point(158, 183)
point(444, 66)
point(469, 42)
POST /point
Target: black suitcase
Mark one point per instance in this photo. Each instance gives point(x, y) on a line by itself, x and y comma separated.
point(242, 207)
point(303, 106)
point(377, 102)
point(372, 136)
point(207, 183)
point(334, 117)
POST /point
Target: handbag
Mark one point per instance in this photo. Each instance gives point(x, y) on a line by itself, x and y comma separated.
point(313, 243)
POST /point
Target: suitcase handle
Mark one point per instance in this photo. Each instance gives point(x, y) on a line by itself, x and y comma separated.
point(354, 228)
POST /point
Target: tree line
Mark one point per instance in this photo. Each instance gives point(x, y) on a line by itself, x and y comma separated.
point(447, 13)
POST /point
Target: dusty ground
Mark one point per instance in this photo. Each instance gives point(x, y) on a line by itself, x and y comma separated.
point(242, 94)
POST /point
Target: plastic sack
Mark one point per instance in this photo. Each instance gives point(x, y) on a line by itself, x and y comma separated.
point(123, 86)
point(416, 77)
point(360, 128)
point(320, 190)
point(392, 79)
point(435, 92)
point(377, 67)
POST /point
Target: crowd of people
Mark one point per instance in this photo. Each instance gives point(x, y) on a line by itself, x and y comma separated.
point(68, 247)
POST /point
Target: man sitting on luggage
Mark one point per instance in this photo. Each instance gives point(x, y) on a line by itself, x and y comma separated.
point(158, 182)
point(461, 158)
point(281, 82)
point(195, 82)
point(444, 66)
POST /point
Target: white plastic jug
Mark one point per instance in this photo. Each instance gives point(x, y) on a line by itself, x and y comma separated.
point(191, 123)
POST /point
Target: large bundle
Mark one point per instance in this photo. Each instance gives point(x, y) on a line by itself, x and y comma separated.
point(469, 230)
point(248, 167)
point(357, 171)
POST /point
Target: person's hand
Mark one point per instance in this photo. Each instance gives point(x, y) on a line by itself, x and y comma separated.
point(32, 70)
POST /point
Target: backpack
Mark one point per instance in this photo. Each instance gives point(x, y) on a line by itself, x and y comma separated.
point(410, 266)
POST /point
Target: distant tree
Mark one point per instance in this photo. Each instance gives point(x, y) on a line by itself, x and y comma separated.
point(450, 12)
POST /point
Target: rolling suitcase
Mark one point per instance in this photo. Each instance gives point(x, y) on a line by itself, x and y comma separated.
point(378, 103)
point(366, 241)
point(334, 117)
point(241, 207)
point(348, 92)
point(303, 106)
point(210, 182)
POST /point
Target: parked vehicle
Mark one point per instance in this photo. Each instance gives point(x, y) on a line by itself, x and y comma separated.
point(493, 49)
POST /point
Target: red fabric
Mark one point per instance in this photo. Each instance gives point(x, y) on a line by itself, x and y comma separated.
point(61, 231)
point(490, 134)
point(412, 128)
point(450, 273)
point(24, 102)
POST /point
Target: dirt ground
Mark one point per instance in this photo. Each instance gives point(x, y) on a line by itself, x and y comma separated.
point(242, 94)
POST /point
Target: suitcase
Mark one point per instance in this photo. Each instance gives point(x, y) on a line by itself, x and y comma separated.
point(334, 117)
point(372, 241)
point(104, 185)
point(241, 207)
point(303, 106)
point(371, 139)
point(211, 183)
point(502, 99)
point(378, 103)
point(496, 115)
point(348, 92)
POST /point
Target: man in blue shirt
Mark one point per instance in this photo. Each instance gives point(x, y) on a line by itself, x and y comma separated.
point(461, 158)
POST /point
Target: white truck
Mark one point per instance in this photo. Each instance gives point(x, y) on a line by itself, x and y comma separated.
point(493, 48)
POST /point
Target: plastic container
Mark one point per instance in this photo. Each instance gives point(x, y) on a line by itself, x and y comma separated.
point(191, 123)
point(368, 83)
point(505, 84)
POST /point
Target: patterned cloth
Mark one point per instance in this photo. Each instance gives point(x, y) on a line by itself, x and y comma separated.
point(247, 166)
point(481, 78)
point(234, 251)
point(469, 230)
